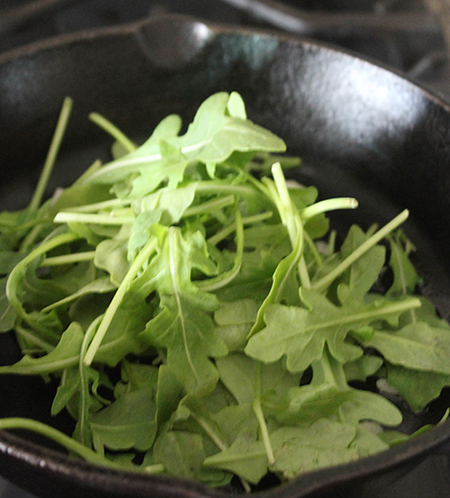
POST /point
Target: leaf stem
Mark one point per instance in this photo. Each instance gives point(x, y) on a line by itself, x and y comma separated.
point(52, 153)
point(137, 264)
point(98, 219)
point(257, 409)
point(229, 229)
point(67, 259)
point(226, 277)
point(97, 206)
point(156, 468)
point(313, 248)
point(209, 206)
point(292, 220)
point(12, 283)
point(328, 205)
point(55, 435)
point(110, 128)
point(215, 438)
point(29, 336)
point(362, 249)
point(83, 407)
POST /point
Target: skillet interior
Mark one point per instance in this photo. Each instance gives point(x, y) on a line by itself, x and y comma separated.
point(361, 130)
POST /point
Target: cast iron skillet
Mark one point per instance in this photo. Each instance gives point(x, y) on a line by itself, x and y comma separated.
point(362, 131)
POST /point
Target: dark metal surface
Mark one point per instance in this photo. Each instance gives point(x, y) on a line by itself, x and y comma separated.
point(361, 130)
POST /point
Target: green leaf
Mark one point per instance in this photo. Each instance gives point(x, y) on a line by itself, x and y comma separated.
point(181, 453)
point(367, 442)
point(364, 272)
point(234, 320)
point(111, 256)
point(406, 277)
point(301, 334)
point(235, 419)
point(284, 285)
point(8, 260)
point(168, 394)
point(65, 355)
point(147, 153)
point(246, 458)
point(362, 367)
point(417, 346)
point(301, 449)
point(188, 334)
point(7, 312)
point(418, 388)
point(365, 405)
point(102, 285)
point(128, 422)
point(213, 136)
point(184, 326)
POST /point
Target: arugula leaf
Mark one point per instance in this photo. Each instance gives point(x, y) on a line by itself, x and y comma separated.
point(128, 422)
point(183, 326)
point(301, 449)
point(7, 312)
point(65, 355)
point(417, 346)
point(180, 452)
point(363, 274)
point(198, 320)
point(301, 334)
point(245, 457)
point(417, 387)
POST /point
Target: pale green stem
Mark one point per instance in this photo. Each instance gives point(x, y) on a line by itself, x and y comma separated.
point(260, 185)
point(304, 275)
point(372, 229)
point(98, 219)
point(30, 238)
point(257, 409)
point(97, 206)
point(286, 202)
point(362, 249)
point(83, 409)
point(110, 128)
point(55, 435)
point(291, 219)
point(209, 206)
point(156, 468)
point(226, 277)
point(328, 205)
point(217, 188)
point(123, 212)
point(137, 264)
point(215, 438)
point(229, 229)
point(332, 242)
point(68, 259)
point(31, 337)
point(316, 255)
point(275, 198)
point(52, 153)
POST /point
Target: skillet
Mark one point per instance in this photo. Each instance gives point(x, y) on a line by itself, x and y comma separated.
point(361, 130)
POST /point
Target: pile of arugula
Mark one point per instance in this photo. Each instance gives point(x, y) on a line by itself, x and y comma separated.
point(198, 315)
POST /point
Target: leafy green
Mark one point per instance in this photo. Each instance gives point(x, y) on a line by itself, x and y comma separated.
point(200, 322)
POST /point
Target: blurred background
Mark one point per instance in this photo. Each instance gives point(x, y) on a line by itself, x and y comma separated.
point(409, 36)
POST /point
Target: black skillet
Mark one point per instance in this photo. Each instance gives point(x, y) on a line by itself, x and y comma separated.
point(361, 130)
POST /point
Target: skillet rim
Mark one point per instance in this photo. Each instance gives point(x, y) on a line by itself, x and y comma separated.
point(30, 454)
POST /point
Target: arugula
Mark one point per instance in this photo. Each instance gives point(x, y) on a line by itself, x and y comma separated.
point(200, 318)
